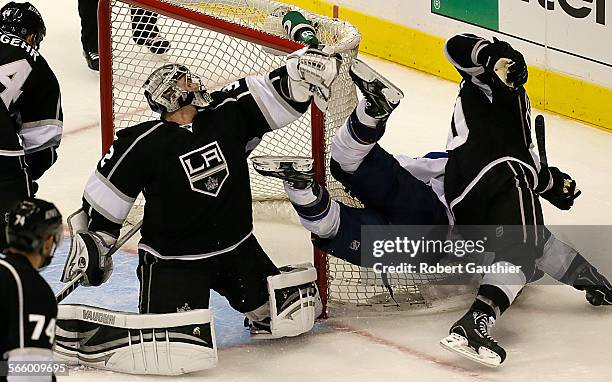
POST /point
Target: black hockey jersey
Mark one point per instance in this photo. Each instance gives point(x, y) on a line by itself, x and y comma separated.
point(30, 108)
point(27, 313)
point(490, 124)
point(195, 178)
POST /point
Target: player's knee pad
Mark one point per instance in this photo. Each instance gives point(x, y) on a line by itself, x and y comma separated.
point(162, 344)
point(293, 306)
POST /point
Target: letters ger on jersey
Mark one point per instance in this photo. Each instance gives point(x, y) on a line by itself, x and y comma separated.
point(206, 169)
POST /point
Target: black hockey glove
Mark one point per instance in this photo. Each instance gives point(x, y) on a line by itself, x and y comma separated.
point(562, 192)
point(597, 287)
point(504, 62)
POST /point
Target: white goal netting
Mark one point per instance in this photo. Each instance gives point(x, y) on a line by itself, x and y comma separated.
point(215, 54)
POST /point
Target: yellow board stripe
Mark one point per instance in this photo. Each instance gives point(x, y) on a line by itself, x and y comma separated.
point(548, 90)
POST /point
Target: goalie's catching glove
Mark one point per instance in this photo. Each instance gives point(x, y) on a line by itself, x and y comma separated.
point(506, 63)
point(89, 255)
point(312, 73)
point(557, 187)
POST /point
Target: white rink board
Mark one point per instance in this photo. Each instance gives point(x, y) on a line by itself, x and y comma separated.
point(524, 19)
point(551, 334)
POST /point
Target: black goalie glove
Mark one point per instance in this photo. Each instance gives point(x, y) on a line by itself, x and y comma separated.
point(505, 63)
point(560, 189)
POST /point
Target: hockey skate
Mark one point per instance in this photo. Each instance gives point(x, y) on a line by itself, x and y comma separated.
point(156, 44)
point(93, 60)
point(381, 95)
point(297, 171)
point(470, 338)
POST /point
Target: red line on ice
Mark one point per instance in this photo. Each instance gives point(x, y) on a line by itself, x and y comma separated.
point(406, 350)
point(97, 124)
point(364, 334)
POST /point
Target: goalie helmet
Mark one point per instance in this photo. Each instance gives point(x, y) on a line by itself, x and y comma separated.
point(29, 225)
point(23, 19)
point(173, 86)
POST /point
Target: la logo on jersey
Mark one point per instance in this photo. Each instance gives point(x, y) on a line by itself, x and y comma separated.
point(206, 169)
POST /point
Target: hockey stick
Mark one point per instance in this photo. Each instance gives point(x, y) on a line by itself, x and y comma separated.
point(540, 132)
point(73, 284)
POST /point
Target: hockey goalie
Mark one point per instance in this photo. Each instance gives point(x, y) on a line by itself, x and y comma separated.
point(197, 231)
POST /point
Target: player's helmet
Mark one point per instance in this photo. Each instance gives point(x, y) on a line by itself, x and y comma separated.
point(29, 225)
point(164, 93)
point(23, 19)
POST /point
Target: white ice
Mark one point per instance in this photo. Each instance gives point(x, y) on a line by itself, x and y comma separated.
point(551, 333)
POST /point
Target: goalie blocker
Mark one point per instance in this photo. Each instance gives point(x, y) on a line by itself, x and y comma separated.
point(162, 344)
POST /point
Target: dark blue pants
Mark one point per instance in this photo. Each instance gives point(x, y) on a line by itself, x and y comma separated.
point(391, 196)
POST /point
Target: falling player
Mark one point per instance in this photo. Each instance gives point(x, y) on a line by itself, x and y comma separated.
point(395, 190)
point(28, 308)
point(197, 229)
point(30, 106)
point(494, 180)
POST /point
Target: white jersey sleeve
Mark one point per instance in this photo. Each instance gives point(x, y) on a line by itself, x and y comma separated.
point(429, 171)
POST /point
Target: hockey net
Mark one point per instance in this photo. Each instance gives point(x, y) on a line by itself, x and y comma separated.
point(222, 41)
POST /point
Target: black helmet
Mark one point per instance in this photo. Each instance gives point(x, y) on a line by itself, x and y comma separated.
point(30, 223)
point(23, 19)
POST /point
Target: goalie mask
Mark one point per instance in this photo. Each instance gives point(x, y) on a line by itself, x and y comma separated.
point(173, 86)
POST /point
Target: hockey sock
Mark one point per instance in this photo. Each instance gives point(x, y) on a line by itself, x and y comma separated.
point(363, 128)
point(302, 197)
point(498, 290)
point(346, 150)
point(491, 300)
point(317, 208)
point(318, 213)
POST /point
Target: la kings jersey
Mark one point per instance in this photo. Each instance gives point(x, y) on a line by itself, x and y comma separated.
point(27, 313)
point(30, 109)
point(195, 178)
point(490, 124)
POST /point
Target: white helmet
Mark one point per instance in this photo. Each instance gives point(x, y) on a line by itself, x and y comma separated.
point(164, 93)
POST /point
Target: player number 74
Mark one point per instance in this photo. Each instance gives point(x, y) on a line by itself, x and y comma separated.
point(39, 319)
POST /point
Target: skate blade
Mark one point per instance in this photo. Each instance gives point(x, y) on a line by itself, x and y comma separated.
point(459, 345)
point(391, 92)
point(272, 163)
point(261, 334)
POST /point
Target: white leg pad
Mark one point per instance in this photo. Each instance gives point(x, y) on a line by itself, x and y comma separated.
point(293, 300)
point(159, 344)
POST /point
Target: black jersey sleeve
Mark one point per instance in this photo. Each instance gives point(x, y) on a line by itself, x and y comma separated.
point(40, 110)
point(462, 51)
point(40, 161)
point(262, 102)
point(119, 177)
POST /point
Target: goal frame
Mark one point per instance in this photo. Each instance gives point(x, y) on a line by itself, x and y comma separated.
point(242, 32)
